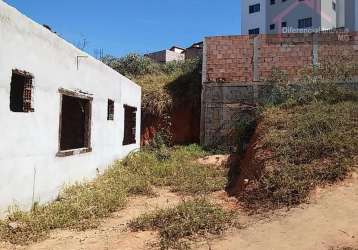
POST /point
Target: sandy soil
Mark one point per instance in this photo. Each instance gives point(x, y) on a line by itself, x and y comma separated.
point(112, 233)
point(329, 222)
point(216, 160)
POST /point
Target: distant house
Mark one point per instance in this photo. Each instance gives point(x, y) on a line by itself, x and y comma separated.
point(177, 49)
point(173, 54)
point(194, 51)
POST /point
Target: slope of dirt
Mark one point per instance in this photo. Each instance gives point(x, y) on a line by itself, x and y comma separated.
point(329, 222)
point(112, 233)
point(248, 166)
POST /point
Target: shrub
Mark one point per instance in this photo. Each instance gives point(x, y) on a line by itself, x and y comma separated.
point(132, 65)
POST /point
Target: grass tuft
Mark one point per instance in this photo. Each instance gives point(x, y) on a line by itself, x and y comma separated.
point(187, 220)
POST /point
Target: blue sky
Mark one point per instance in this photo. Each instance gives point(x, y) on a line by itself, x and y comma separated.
point(122, 26)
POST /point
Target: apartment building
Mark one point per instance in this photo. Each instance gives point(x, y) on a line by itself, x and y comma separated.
point(286, 16)
point(350, 10)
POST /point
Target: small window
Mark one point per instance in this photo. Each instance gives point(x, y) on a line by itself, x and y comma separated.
point(334, 6)
point(110, 110)
point(21, 92)
point(272, 2)
point(305, 23)
point(130, 117)
point(272, 26)
point(284, 24)
point(75, 124)
point(254, 31)
point(254, 8)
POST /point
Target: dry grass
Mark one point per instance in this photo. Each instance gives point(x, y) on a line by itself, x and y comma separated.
point(310, 134)
point(162, 91)
point(163, 85)
point(81, 206)
point(177, 169)
point(311, 145)
point(188, 220)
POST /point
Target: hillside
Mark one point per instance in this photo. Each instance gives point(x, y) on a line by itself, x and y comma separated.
point(170, 97)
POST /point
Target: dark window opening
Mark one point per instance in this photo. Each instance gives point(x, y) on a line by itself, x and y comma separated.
point(305, 23)
point(254, 31)
point(254, 8)
point(21, 89)
point(75, 123)
point(110, 110)
point(129, 125)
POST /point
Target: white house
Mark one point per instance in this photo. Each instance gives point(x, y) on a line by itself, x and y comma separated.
point(64, 116)
point(276, 16)
point(175, 53)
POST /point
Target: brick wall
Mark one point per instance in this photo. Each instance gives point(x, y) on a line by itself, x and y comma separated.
point(236, 70)
point(238, 58)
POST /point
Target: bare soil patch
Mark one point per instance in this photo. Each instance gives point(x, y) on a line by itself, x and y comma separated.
point(330, 221)
point(113, 233)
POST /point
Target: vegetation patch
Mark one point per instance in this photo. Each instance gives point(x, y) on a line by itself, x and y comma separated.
point(188, 220)
point(176, 167)
point(81, 206)
point(310, 135)
point(164, 85)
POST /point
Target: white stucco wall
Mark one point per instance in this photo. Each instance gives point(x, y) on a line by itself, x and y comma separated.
point(29, 141)
point(330, 22)
point(269, 13)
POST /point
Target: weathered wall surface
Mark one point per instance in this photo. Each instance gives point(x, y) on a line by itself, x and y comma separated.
point(236, 70)
point(29, 141)
point(185, 125)
point(174, 56)
point(159, 57)
point(223, 105)
point(193, 53)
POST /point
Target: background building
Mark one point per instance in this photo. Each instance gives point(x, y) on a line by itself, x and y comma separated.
point(351, 14)
point(173, 54)
point(194, 51)
point(276, 16)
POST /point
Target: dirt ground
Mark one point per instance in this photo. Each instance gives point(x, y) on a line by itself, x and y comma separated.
point(330, 221)
point(112, 233)
point(216, 160)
